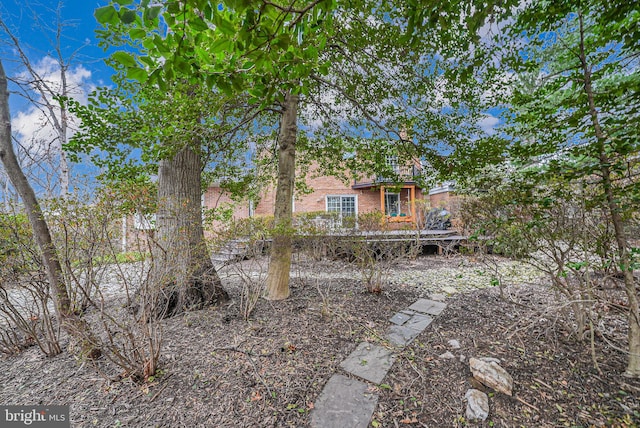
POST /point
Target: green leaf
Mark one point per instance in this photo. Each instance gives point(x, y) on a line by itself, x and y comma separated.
point(182, 66)
point(137, 33)
point(247, 65)
point(283, 41)
point(173, 7)
point(226, 27)
point(237, 83)
point(124, 58)
point(136, 73)
point(220, 45)
point(151, 13)
point(106, 15)
point(225, 87)
point(161, 45)
point(128, 16)
point(169, 73)
point(198, 24)
point(156, 77)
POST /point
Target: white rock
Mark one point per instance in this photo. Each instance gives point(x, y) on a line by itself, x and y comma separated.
point(492, 375)
point(454, 344)
point(462, 358)
point(449, 290)
point(477, 405)
point(447, 356)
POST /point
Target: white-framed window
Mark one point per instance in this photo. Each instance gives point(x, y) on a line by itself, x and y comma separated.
point(346, 205)
point(392, 204)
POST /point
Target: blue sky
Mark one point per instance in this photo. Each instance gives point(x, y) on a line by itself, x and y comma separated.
point(34, 24)
point(24, 18)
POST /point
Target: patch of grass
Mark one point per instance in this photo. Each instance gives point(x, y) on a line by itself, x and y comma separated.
point(126, 257)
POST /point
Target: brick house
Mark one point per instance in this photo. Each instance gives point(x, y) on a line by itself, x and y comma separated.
point(403, 204)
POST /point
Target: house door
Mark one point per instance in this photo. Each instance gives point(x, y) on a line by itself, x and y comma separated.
point(392, 206)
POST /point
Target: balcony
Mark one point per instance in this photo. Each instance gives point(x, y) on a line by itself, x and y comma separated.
point(405, 174)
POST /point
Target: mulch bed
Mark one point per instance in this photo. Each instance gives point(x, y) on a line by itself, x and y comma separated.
point(219, 370)
point(555, 381)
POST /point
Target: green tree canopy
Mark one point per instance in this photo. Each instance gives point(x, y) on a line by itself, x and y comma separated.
point(572, 103)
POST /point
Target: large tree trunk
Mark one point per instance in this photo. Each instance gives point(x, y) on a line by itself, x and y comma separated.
point(624, 254)
point(280, 263)
point(183, 273)
point(70, 322)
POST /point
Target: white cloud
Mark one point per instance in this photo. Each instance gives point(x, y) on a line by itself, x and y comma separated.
point(33, 127)
point(488, 124)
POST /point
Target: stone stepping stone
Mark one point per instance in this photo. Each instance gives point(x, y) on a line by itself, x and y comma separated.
point(418, 322)
point(414, 319)
point(370, 362)
point(344, 403)
point(401, 317)
point(400, 335)
point(429, 307)
point(407, 325)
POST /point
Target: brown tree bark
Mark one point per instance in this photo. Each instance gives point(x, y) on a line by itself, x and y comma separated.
point(70, 322)
point(623, 247)
point(183, 272)
point(280, 263)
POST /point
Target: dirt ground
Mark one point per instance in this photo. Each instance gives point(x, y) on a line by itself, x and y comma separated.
point(218, 370)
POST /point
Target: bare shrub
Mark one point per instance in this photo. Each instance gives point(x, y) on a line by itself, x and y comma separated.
point(374, 255)
point(86, 235)
point(105, 285)
point(372, 221)
point(560, 244)
point(25, 319)
point(316, 234)
point(25, 303)
point(253, 275)
point(365, 242)
point(244, 244)
point(133, 343)
point(13, 341)
point(572, 243)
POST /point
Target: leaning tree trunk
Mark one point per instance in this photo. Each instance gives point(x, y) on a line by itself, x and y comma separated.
point(69, 321)
point(280, 263)
point(182, 276)
point(624, 255)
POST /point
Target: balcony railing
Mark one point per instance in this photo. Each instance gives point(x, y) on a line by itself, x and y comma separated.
point(404, 174)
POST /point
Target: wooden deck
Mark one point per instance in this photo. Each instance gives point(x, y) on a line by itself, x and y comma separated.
point(441, 241)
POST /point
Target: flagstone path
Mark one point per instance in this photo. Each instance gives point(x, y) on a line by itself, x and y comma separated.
point(346, 402)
